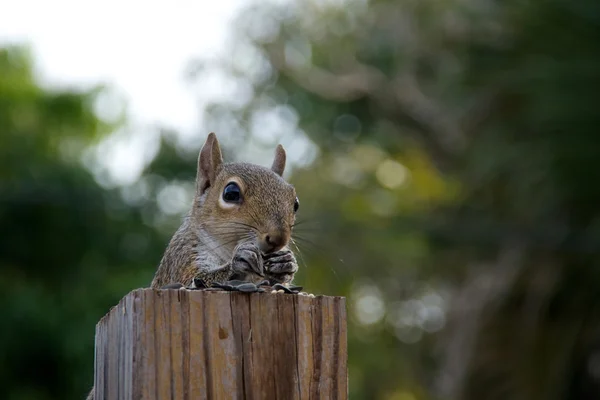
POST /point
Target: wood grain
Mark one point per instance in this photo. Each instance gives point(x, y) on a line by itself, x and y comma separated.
point(178, 344)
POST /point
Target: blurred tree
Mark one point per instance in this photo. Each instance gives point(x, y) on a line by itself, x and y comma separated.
point(70, 248)
point(448, 188)
point(455, 181)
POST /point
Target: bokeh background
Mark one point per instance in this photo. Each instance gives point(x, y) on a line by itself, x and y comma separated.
point(445, 155)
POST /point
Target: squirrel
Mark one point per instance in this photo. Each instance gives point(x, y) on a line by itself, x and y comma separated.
point(239, 225)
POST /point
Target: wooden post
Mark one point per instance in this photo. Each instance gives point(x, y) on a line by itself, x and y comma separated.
point(179, 344)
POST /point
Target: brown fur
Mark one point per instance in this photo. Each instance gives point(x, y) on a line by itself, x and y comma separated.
point(268, 206)
point(278, 165)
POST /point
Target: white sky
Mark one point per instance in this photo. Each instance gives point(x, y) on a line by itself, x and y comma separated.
point(139, 47)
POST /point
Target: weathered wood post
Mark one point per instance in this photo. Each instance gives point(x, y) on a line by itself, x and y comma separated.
point(178, 344)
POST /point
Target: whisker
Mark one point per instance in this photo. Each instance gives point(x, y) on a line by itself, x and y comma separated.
point(226, 243)
point(305, 221)
point(320, 249)
point(226, 228)
point(224, 234)
point(304, 229)
point(226, 231)
point(220, 235)
point(243, 224)
point(307, 241)
point(300, 254)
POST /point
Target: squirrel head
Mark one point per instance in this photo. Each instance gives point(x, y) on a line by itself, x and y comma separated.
point(239, 202)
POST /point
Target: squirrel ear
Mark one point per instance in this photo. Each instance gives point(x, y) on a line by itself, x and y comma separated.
point(279, 162)
point(209, 161)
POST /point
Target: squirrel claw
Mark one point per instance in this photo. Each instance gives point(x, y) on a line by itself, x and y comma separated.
point(247, 260)
point(281, 266)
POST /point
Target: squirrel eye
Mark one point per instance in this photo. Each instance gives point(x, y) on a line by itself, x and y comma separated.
point(232, 193)
point(296, 204)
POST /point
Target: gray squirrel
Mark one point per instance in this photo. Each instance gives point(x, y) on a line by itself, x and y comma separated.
point(239, 225)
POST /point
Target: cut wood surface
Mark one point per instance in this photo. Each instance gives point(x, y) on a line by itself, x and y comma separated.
point(179, 344)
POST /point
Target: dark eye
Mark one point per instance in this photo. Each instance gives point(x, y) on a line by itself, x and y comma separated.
point(232, 193)
point(296, 204)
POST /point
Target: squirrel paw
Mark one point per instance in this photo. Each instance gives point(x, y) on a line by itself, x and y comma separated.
point(247, 260)
point(280, 266)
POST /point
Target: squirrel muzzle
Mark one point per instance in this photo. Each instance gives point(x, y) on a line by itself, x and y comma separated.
point(273, 241)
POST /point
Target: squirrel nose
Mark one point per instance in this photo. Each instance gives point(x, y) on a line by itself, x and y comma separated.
point(274, 242)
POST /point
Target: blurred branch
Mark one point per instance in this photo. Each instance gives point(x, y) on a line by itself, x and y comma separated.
point(439, 132)
point(481, 294)
point(429, 114)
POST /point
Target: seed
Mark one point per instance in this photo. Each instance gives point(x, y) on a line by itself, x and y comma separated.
point(235, 282)
point(283, 288)
point(247, 287)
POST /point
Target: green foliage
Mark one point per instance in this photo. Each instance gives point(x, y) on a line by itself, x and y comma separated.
point(449, 190)
point(70, 249)
point(500, 99)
